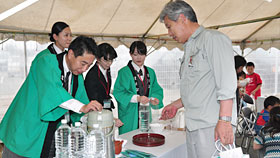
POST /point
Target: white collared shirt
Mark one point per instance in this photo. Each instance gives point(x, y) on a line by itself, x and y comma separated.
point(137, 68)
point(104, 72)
point(71, 104)
point(57, 50)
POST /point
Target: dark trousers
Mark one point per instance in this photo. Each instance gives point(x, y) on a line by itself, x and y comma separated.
point(9, 154)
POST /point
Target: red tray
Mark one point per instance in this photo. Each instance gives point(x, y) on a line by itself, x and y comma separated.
point(148, 139)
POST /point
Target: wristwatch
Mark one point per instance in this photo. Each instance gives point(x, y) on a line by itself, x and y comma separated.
point(225, 118)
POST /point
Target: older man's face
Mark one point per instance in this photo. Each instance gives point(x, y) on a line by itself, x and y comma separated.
point(177, 29)
point(79, 64)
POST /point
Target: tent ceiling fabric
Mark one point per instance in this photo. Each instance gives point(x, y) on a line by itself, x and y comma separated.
point(122, 21)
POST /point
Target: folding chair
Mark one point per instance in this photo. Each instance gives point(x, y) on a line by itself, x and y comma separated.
point(244, 111)
point(246, 122)
point(248, 119)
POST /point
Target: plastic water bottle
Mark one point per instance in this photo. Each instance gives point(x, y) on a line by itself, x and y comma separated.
point(96, 143)
point(62, 140)
point(144, 114)
point(78, 141)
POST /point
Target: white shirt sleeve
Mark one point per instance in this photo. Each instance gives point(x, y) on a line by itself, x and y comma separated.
point(73, 105)
point(134, 99)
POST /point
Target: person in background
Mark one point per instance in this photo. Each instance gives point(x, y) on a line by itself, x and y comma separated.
point(269, 136)
point(263, 118)
point(61, 37)
point(241, 76)
point(136, 84)
point(53, 90)
point(208, 81)
point(240, 62)
point(241, 84)
point(98, 79)
point(255, 83)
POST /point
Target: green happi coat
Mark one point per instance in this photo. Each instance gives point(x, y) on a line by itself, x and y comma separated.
point(24, 126)
point(124, 89)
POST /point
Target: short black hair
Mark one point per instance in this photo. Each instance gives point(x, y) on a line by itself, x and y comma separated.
point(83, 44)
point(242, 73)
point(57, 28)
point(271, 100)
point(239, 61)
point(106, 51)
point(140, 46)
point(250, 64)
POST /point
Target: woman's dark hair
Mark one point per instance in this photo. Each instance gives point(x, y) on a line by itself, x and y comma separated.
point(239, 61)
point(140, 46)
point(273, 125)
point(106, 51)
point(57, 28)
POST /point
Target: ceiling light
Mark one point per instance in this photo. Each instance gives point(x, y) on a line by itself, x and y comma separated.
point(16, 9)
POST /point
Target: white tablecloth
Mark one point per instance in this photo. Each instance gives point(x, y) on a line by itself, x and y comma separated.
point(174, 146)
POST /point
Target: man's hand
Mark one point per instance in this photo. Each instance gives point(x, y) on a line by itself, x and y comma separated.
point(168, 112)
point(223, 131)
point(91, 106)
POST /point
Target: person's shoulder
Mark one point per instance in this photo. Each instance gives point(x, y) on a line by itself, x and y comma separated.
point(150, 69)
point(93, 69)
point(92, 73)
point(212, 34)
point(124, 69)
point(44, 55)
point(256, 74)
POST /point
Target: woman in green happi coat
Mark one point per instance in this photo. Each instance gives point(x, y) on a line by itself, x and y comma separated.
point(135, 84)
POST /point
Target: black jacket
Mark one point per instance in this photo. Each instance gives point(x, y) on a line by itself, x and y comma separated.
point(96, 86)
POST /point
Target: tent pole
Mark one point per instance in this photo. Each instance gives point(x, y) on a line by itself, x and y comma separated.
point(151, 47)
point(257, 30)
point(242, 46)
point(25, 56)
point(6, 40)
point(244, 22)
point(156, 48)
point(145, 34)
point(276, 74)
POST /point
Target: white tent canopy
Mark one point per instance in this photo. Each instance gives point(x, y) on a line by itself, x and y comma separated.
point(250, 23)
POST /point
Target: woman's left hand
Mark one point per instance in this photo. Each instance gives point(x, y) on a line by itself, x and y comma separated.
point(154, 101)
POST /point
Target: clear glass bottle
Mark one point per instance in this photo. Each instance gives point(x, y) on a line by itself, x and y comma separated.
point(62, 140)
point(96, 143)
point(78, 141)
point(144, 114)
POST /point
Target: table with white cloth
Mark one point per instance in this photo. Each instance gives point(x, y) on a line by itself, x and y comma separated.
point(174, 146)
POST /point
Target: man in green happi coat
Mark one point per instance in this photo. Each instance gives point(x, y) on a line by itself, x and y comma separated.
point(54, 89)
point(136, 84)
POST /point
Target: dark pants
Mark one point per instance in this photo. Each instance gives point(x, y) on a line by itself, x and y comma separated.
point(9, 154)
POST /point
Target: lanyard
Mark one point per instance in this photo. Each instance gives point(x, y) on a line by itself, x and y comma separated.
point(106, 88)
point(144, 81)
